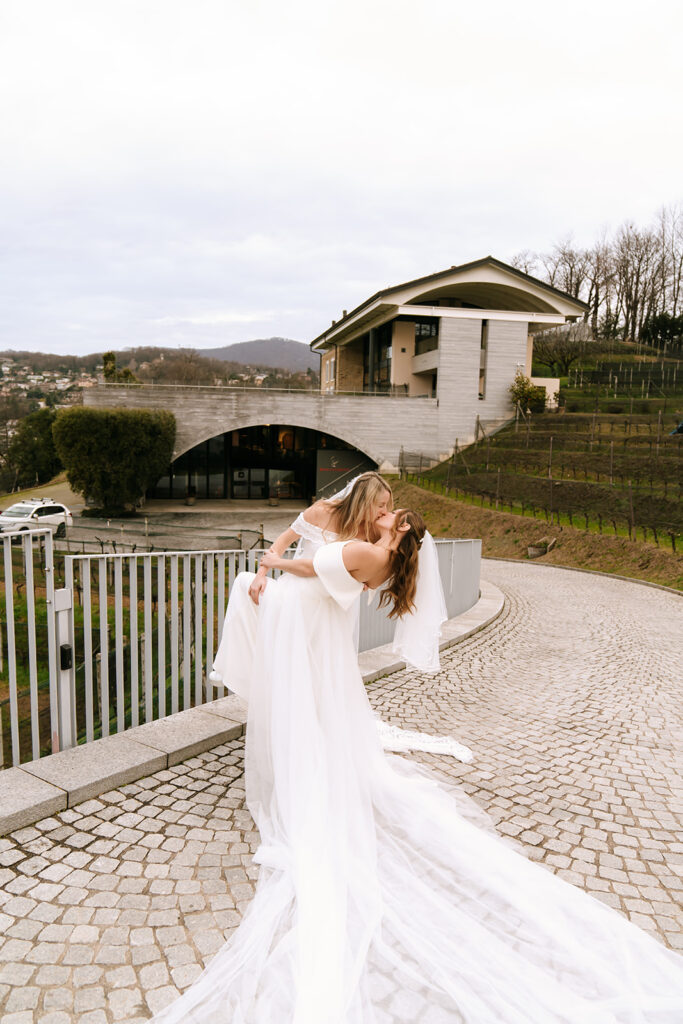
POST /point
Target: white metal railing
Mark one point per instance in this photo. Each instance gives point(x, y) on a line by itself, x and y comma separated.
point(28, 647)
point(131, 637)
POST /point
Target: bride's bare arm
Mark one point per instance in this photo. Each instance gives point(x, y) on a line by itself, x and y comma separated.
point(278, 547)
point(297, 566)
point(362, 560)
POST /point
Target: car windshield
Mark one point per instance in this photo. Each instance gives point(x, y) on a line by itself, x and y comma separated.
point(19, 511)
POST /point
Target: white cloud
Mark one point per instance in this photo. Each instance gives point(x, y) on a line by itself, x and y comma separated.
point(179, 173)
point(204, 319)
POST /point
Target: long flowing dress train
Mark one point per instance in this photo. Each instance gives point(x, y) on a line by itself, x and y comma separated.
point(378, 900)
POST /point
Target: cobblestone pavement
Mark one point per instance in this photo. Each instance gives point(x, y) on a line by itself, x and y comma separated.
point(572, 703)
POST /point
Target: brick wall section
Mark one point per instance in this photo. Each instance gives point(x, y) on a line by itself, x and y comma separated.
point(350, 367)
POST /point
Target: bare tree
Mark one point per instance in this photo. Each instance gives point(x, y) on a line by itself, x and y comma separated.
point(627, 280)
point(526, 261)
point(560, 347)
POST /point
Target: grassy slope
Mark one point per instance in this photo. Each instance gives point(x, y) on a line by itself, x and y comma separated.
point(507, 536)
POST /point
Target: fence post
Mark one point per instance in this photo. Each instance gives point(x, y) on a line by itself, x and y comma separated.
point(66, 673)
point(611, 463)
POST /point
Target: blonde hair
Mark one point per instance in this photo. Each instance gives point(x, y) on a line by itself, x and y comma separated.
point(354, 513)
point(399, 592)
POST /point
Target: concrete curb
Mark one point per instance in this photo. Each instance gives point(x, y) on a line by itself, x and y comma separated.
point(51, 784)
point(590, 572)
point(381, 661)
point(40, 788)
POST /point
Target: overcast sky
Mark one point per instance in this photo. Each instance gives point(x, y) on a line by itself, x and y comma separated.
point(198, 172)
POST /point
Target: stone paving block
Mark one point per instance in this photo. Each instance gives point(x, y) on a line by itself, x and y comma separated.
point(575, 757)
point(25, 798)
point(187, 733)
point(86, 771)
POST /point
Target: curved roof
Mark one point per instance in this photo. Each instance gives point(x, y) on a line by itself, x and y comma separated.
point(487, 284)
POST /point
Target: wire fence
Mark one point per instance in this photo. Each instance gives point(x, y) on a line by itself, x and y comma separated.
point(595, 474)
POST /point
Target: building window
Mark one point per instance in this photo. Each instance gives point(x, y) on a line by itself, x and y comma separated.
point(329, 370)
point(381, 371)
point(426, 335)
point(484, 347)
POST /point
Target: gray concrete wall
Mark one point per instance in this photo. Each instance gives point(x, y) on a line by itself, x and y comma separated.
point(458, 384)
point(458, 381)
point(507, 349)
point(376, 425)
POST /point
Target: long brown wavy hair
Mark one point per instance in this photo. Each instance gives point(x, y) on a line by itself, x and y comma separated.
point(354, 513)
point(399, 592)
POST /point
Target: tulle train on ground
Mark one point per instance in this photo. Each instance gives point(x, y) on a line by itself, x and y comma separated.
point(380, 899)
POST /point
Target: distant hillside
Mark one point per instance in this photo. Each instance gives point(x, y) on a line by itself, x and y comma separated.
point(276, 352)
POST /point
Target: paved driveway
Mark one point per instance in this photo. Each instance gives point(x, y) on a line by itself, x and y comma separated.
point(572, 703)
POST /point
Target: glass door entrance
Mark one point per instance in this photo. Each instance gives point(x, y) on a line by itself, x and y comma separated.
point(249, 483)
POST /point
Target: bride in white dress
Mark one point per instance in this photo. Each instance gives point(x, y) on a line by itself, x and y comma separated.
point(351, 513)
point(378, 900)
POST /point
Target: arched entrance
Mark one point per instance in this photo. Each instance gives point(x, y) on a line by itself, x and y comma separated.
point(260, 462)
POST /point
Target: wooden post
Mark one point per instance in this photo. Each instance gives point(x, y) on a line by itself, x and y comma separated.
point(632, 524)
point(497, 488)
point(550, 459)
point(611, 463)
point(659, 429)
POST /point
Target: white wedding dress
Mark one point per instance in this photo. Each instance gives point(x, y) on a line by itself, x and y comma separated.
point(233, 663)
point(379, 901)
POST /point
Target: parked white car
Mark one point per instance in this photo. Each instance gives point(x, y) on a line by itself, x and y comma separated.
point(36, 514)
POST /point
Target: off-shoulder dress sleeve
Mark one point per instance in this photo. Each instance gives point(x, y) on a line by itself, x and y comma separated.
point(332, 573)
point(305, 529)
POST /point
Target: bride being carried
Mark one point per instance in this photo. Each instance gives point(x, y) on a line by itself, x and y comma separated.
point(352, 514)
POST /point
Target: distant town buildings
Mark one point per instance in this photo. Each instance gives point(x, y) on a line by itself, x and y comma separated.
point(47, 387)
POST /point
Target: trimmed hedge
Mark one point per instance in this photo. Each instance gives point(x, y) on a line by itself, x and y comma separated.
point(112, 456)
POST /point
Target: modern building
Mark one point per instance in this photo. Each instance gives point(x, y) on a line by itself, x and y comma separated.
point(419, 367)
point(458, 335)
